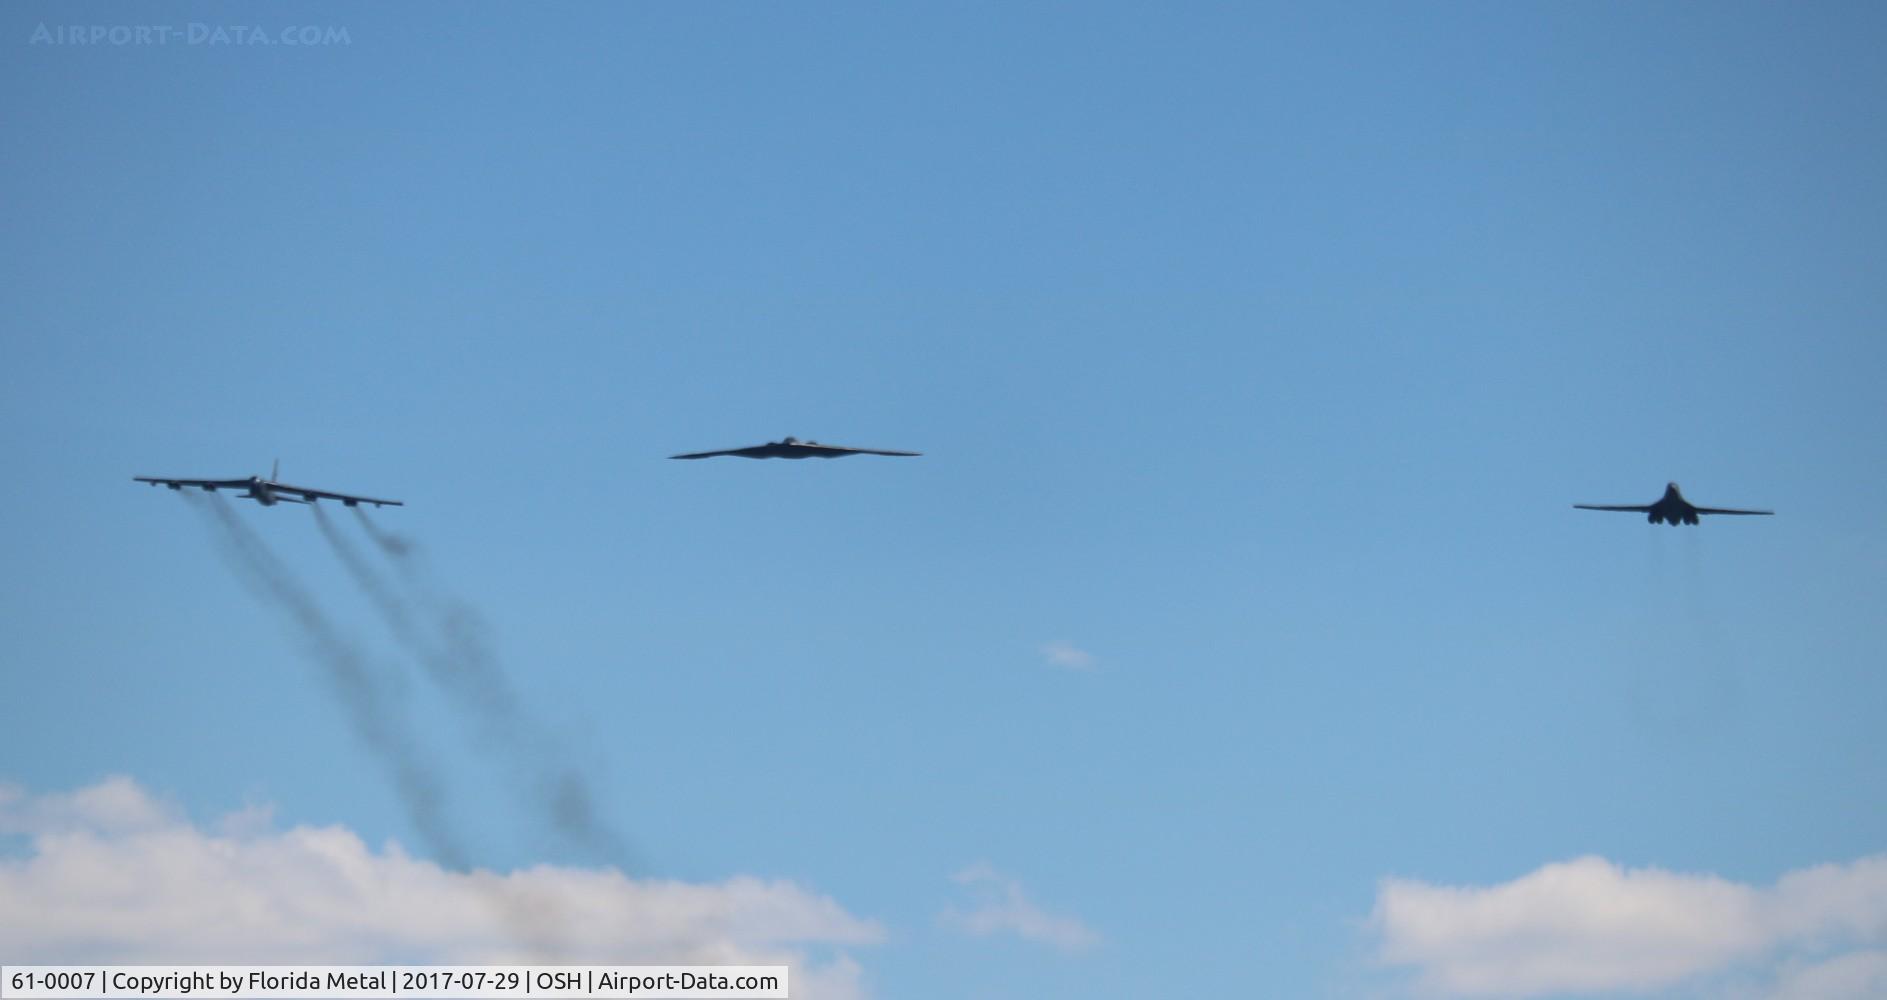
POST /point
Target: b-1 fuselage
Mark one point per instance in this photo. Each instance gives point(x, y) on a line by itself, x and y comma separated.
point(1672, 508)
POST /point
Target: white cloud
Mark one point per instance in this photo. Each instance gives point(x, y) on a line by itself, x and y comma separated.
point(1590, 926)
point(1001, 907)
point(1067, 655)
point(115, 805)
point(1860, 975)
point(112, 875)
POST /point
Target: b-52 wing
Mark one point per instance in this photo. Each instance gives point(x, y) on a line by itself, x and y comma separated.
point(267, 492)
point(206, 484)
point(285, 491)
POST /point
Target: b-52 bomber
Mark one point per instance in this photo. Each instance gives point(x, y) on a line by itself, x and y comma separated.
point(1671, 509)
point(267, 492)
point(795, 448)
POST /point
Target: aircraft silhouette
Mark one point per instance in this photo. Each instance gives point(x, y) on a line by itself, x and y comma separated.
point(267, 492)
point(795, 448)
point(1671, 509)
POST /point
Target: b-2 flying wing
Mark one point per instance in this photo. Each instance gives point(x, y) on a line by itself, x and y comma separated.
point(795, 448)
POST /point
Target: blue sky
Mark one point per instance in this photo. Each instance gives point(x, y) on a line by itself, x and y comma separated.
point(1256, 353)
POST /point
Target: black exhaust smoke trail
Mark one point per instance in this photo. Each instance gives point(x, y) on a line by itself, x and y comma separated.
point(369, 707)
point(393, 610)
point(462, 666)
point(465, 666)
point(375, 718)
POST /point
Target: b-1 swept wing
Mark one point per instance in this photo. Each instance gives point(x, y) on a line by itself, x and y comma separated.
point(267, 492)
point(795, 448)
point(1671, 509)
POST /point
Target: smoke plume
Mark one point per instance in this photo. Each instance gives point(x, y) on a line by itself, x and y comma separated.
point(376, 717)
point(451, 641)
point(372, 711)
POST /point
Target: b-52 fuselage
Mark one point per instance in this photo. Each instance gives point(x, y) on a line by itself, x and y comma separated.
point(1671, 509)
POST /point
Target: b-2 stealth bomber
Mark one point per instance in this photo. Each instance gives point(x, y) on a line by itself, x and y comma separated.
point(795, 448)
